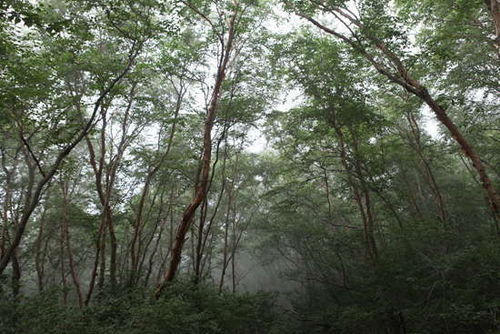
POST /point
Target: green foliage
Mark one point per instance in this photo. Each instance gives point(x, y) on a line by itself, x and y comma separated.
point(184, 308)
point(427, 279)
point(353, 161)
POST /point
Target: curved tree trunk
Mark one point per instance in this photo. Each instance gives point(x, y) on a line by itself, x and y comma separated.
point(202, 185)
point(402, 77)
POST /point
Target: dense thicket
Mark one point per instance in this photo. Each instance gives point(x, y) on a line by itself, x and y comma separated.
point(138, 195)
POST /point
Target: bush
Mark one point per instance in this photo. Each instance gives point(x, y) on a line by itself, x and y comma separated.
point(184, 308)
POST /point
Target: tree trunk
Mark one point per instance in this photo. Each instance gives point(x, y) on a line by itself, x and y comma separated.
point(201, 187)
point(61, 261)
point(405, 80)
point(360, 193)
point(467, 149)
point(225, 252)
point(38, 253)
point(72, 264)
point(138, 225)
point(16, 276)
point(202, 231)
point(93, 274)
point(443, 214)
point(36, 194)
point(369, 221)
point(494, 9)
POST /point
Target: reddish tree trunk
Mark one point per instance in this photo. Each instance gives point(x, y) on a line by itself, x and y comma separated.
point(403, 78)
point(201, 187)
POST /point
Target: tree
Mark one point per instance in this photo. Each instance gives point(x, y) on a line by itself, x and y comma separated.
point(228, 29)
point(369, 34)
point(75, 134)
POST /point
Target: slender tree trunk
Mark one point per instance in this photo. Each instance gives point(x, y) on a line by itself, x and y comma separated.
point(494, 8)
point(224, 261)
point(104, 190)
point(327, 191)
point(3, 237)
point(138, 225)
point(233, 269)
point(7, 207)
point(16, 276)
point(93, 274)
point(226, 241)
point(134, 252)
point(198, 254)
point(209, 247)
point(72, 264)
point(360, 193)
point(113, 251)
point(155, 250)
point(369, 228)
point(163, 266)
point(38, 253)
point(62, 266)
point(163, 222)
point(443, 214)
point(231, 244)
point(159, 223)
point(102, 258)
point(202, 231)
point(201, 187)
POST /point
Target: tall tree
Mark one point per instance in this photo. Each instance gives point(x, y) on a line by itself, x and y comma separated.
point(225, 29)
point(369, 32)
point(74, 129)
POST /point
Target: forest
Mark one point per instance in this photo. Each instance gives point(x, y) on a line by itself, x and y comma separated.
point(249, 166)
